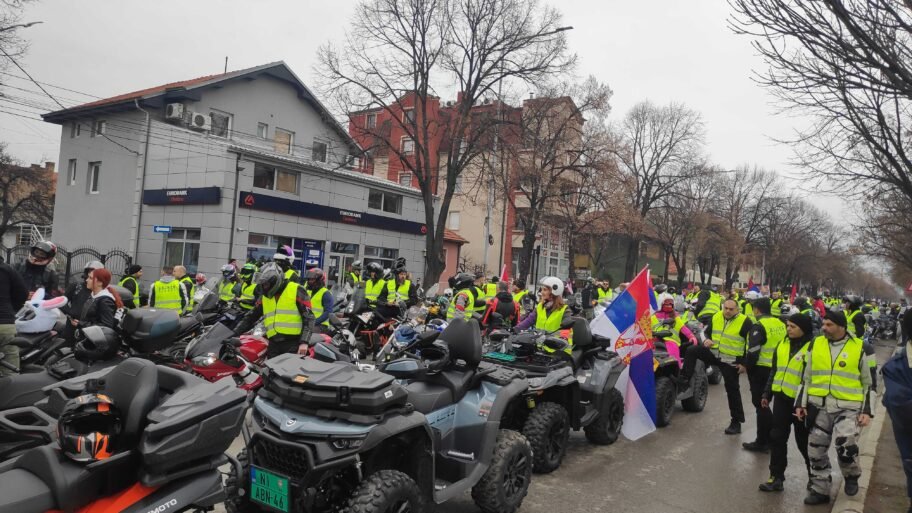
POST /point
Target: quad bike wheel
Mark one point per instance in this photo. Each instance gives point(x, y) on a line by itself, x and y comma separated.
point(666, 396)
point(504, 486)
point(606, 428)
point(386, 491)
point(697, 401)
point(548, 430)
point(236, 488)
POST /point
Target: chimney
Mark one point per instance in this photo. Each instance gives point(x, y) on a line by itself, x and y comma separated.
point(50, 167)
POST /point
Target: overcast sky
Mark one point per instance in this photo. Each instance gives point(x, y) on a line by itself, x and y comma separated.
point(661, 50)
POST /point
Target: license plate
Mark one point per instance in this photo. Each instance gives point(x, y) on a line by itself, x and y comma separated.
point(500, 356)
point(269, 489)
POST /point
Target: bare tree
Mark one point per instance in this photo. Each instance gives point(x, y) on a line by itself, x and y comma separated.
point(26, 194)
point(657, 147)
point(10, 21)
point(400, 49)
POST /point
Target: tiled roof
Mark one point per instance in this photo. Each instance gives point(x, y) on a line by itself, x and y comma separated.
point(452, 236)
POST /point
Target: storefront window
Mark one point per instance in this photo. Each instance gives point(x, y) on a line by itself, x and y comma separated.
point(261, 247)
point(344, 247)
point(384, 256)
point(182, 248)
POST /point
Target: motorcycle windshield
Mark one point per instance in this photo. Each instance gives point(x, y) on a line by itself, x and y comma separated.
point(357, 301)
point(206, 301)
point(209, 342)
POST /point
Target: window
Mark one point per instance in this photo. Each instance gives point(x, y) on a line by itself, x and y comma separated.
point(75, 130)
point(371, 120)
point(405, 179)
point(383, 256)
point(408, 146)
point(94, 177)
point(319, 152)
point(261, 246)
point(344, 247)
point(262, 130)
point(284, 141)
point(384, 201)
point(274, 179)
point(457, 185)
point(182, 248)
point(98, 127)
point(220, 123)
point(453, 221)
point(408, 116)
point(71, 172)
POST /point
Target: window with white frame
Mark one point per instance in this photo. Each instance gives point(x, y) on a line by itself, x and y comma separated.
point(71, 172)
point(94, 177)
point(75, 130)
point(284, 141)
point(318, 153)
point(262, 130)
point(385, 201)
point(453, 221)
point(220, 123)
point(457, 185)
point(98, 127)
point(405, 179)
point(275, 179)
point(383, 256)
point(182, 248)
point(371, 120)
point(408, 116)
point(408, 146)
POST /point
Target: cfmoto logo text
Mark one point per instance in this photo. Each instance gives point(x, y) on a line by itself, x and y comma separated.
point(164, 507)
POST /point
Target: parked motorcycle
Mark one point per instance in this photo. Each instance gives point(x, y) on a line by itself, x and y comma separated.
point(216, 353)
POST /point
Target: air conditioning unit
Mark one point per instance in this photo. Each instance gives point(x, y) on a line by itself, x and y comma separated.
point(199, 121)
point(174, 112)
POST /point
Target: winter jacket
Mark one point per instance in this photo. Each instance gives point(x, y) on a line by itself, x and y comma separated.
point(13, 294)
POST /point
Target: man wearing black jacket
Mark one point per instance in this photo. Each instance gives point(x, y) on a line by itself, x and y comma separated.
point(765, 336)
point(13, 294)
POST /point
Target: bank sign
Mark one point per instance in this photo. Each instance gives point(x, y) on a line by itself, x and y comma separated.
point(295, 208)
point(186, 196)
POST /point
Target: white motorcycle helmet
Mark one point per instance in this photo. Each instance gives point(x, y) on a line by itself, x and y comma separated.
point(553, 283)
point(751, 295)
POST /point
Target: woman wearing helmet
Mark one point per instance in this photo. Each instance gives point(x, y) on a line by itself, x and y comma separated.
point(321, 300)
point(284, 307)
point(463, 303)
point(550, 312)
point(229, 286)
point(668, 318)
point(36, 271)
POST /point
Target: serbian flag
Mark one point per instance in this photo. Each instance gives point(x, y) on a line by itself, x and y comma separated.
point(794, 293)
point(628, 323)
point(751, 286)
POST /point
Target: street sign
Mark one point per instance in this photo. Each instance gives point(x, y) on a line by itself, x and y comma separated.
point(161, 229)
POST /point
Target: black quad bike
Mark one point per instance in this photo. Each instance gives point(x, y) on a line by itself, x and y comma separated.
point(566, 391)
point(174, 430)
point(326, 437)
point(668, 391)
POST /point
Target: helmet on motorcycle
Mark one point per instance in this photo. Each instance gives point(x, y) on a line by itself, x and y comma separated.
point(404, 335)
point(228, 271)
point(41, 253)
point(853, 301)
point(200, 279)
point(356, 266)
point(88, 427)
point(463, 281)
point(315, 278)
point(552, 283)
point(270, 279)
point(375, 268)
point(96, 343)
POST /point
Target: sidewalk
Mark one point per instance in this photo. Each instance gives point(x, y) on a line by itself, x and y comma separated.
point(887, 491)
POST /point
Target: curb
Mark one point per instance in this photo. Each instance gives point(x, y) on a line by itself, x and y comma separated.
point(868, 446)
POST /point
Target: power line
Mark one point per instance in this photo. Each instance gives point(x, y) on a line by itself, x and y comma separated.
point(51, 85)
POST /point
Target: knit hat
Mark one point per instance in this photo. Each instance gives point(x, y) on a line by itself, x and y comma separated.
point(133, 269)
point(802, 321)
point(837, 318)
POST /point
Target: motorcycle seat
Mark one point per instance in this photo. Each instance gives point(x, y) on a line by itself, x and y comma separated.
point(26, 492)
point(188, 325)
point(457, 382)
point(27, 340)
point(426, 397)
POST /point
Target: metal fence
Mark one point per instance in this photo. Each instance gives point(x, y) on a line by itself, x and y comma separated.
point(70, 263)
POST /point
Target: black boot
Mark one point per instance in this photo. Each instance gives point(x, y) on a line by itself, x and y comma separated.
point(755, 446)
point(773, 484)
point(851, 486)
point(734, 428)
point(813, 498)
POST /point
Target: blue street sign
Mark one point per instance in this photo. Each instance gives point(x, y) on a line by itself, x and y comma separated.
point(161, 229)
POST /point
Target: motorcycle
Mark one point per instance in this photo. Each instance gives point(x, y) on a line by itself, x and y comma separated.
point(371, 330)
point(38, 324)
point(216, 353)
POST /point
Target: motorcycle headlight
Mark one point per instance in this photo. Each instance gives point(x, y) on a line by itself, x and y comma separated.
point(203, 361)
point(340, 444)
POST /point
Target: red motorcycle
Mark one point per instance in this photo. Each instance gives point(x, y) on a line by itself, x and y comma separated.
point(217, 354)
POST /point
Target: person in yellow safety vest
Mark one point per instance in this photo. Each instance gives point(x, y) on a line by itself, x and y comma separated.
point(321, 299)
point(167, 293)
point(668, 318)
point(481, 297)
point(374, 284)
point(725, 345)
point(398, 289)
point(521, 295)
point(490, 288)
point(353, 277)
point(746, 303)
point(550, 313)
point(605, 292)
point(199, 283)
point(285, 308)
point(284, 257)
point(694, 293)
point(180, 274)
point(776, 303)
point(463, 302)
point(709, 302)
point(131, 282)
point(765, 336)
point(781, 389)
point(229, 286)
point(855, 320)
point(836, 397)
point(248, 291)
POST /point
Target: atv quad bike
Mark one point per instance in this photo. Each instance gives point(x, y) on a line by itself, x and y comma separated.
point(668, 392)
point(326, 437)
point(566, 391)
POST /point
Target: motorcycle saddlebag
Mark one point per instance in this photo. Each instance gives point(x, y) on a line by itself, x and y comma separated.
point(150, 330)
point(311, 385)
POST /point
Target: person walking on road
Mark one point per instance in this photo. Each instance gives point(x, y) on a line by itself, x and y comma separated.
point(835, 400)
point(781, 389)
point(765, 336)
point(13, 293)
point(897, 398)
point(725, 346)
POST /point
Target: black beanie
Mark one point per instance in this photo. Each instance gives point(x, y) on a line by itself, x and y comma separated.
point(804, 322)
point(837, 318)
point(133, 269)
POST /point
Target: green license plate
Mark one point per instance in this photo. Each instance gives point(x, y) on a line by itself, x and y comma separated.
point(269, 489)
point(500, 356)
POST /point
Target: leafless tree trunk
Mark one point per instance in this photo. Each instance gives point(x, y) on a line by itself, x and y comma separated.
point(26, 195)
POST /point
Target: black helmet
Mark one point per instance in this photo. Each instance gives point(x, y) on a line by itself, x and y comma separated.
point(374, 267)
point(853, 301)
point(463, 281)
point(436, 356)
point(270, 279)
point(88, 427)
point(660, 288)
point(315, 278)
point(41, 253)
point(96, 343)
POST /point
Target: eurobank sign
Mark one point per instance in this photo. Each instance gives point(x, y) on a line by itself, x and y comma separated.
point(266, 203)
point(185, 196)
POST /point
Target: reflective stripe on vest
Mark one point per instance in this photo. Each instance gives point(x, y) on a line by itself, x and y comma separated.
point(167, 295)
point(248, 296)
point(226, 290)
point(134, 288)
point(727, 336)
point(282, 316)
point(713, 305)
point(401, 293)
point(788, 370)
point(316, 305)
point(775, 334)
point(373, 289)
point(470, 302)
point(841, 379)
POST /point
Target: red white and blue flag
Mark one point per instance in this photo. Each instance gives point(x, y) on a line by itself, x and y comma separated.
point(751, 286)
point(628, 322)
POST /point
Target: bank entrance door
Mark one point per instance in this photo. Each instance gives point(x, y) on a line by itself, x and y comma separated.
point(341, 255)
